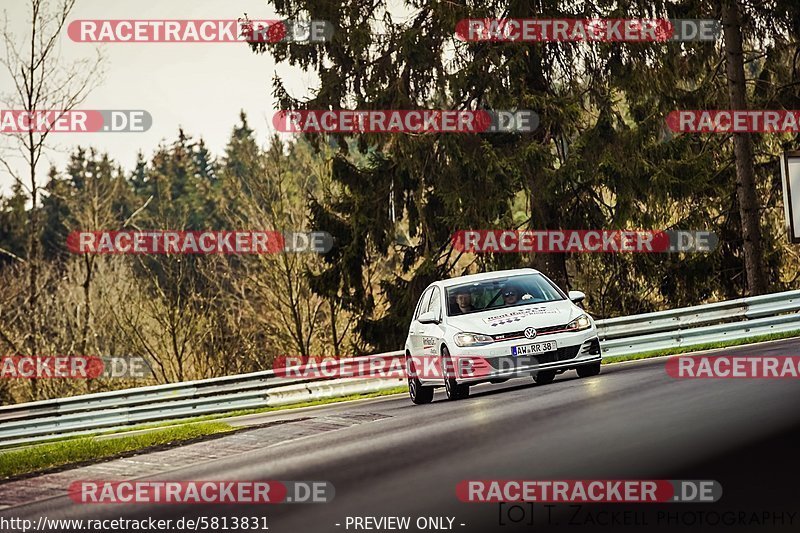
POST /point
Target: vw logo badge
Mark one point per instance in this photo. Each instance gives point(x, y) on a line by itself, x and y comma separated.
point(530, 333)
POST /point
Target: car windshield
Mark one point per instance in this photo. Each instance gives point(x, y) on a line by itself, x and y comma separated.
point(499, 293)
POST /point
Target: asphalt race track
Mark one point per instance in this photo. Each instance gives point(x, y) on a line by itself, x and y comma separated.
point(632, 421)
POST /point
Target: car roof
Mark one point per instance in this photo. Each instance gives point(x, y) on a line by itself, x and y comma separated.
point(484, 276)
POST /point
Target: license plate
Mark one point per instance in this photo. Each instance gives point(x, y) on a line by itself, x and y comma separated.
point(531, 349)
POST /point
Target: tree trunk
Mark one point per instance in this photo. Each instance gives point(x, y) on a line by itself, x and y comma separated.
point(747, 198)
point(33, 271)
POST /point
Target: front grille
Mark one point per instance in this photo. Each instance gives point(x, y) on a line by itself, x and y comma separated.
point(568, 352)
point(521, 334)
point(562, 354)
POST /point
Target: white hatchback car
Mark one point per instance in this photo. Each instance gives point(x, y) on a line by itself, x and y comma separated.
point(494, 326)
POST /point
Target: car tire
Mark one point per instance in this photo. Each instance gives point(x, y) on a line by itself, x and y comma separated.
point(419, 393)
point(453, 389)
point(586, 371)
point(543, 377)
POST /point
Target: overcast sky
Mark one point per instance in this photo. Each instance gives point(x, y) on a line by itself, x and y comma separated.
point(198, 86)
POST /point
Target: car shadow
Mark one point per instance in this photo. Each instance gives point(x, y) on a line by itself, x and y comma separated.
point(515, 384)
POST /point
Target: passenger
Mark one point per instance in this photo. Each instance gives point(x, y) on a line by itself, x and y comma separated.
point(463, 302)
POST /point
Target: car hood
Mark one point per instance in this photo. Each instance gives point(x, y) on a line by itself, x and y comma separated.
point(509, 319)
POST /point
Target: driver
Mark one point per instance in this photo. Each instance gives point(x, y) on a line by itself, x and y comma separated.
point(463, 302)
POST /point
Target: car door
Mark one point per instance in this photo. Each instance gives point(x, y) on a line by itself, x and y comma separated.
point(416, 330)
point(432, 335)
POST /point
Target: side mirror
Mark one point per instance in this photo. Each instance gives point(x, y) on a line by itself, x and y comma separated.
point(428, 317)
point(576, 296)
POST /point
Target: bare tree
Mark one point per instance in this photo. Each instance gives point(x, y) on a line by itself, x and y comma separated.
point(41, 82)
point(278, 281)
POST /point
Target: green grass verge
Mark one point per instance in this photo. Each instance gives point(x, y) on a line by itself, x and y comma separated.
point(46, 456)
point(702, 347)
point(73, 450)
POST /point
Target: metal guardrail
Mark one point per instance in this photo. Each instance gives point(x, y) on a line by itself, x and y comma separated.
point(701, 324)
point(33, 422)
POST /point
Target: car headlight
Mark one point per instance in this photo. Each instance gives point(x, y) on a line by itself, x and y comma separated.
point(580, 323)
point(472, 339)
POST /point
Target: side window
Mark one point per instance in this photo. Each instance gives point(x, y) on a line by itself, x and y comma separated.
point(422, 306)
point(436, 303)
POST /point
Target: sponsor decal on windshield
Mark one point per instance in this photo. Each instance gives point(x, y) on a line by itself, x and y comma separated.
point(515, 316)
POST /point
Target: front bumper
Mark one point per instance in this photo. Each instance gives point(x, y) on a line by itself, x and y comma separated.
point(496, 362)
